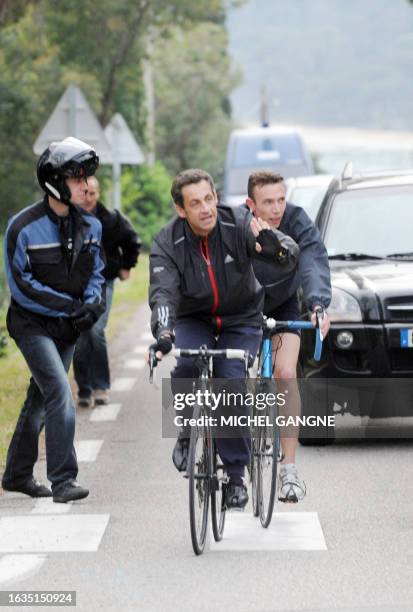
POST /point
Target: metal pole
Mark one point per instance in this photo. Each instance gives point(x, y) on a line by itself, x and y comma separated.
point(150, 100)
point(117, 173)
point(72, 111)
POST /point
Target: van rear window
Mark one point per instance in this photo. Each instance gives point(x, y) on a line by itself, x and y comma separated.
point(257, 150)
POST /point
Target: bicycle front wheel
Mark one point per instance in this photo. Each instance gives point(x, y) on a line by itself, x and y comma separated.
point(199, 482)
point(255, 445)
point(268, 453)
point(218, 496)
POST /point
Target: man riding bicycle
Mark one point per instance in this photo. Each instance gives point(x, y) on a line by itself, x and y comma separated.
point(266, 200)
point(203, 291)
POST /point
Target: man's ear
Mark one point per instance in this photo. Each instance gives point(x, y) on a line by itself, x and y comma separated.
point(180, 211)
point(251, 204)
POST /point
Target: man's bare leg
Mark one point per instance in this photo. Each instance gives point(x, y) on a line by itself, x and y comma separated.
point(285, 354)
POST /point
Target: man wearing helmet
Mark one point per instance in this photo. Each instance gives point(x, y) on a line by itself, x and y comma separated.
point(54, 270)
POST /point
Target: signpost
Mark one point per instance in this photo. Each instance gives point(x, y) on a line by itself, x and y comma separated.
point(115, 145)
point(125, 150)
point(73, 116)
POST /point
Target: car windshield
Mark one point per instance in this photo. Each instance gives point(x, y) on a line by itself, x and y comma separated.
point(377, 221)
point(309, 198)
point(255, 150)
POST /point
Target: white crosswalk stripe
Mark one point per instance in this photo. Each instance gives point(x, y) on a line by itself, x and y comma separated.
point(135, 364)
point(123, 384)
point(16, 567)
point(87, 450)
point(105, 413)
point(140, 349)
point(51, 533)
point(147, 336)
point(287, 531)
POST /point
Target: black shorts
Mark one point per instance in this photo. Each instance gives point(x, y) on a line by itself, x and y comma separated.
point(287, 311)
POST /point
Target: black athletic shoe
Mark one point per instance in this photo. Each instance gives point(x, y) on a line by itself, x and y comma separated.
point(180, 454)
point(29, 487)
point(236, 495)
point(69, 491)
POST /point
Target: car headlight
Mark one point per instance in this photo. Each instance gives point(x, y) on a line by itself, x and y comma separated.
point(344, 308)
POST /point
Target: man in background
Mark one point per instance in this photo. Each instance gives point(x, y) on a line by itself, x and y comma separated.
point(121, 245)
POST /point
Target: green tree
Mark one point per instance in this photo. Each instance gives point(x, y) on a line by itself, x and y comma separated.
point(193, 81)
point(100, 45)
point(146, 199)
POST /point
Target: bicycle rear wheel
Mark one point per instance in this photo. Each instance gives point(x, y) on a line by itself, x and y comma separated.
point(217, 496)
point(255, 441)
point(268, 454)
point(199, 482)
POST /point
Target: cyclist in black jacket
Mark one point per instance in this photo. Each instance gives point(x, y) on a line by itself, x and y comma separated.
point(121, 245)
point(266, 199)
point(203, 291)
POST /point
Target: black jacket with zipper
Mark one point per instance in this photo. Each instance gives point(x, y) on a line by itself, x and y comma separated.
point(211, 279)
point(312, 273)
point(120, 242)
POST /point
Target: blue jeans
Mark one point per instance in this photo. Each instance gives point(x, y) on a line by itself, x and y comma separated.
point(192, 333)
point(91, 361)
point(48, 403)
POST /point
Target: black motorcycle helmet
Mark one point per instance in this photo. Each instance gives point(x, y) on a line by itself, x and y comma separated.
point(70, 158)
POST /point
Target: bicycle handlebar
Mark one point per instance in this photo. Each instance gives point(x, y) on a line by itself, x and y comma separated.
point(201, 352)
point(271, 324)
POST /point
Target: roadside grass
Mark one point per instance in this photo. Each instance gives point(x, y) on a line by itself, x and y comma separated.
point(14, 374)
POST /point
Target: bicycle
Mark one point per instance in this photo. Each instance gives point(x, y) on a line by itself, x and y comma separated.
point(205, 471)
point(266, 444)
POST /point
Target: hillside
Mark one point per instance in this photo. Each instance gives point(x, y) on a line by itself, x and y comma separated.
point(325, 62)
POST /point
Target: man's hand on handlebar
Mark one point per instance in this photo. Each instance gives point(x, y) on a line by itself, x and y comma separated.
point(159, 348)
point(320, 316)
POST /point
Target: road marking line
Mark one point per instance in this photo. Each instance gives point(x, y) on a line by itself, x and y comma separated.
point(135, 364)
point(123, 384)
point(46, 505)
point(287, 531)
point(140, 349)
point(105, 413)
point(87, 450)
point(70, 533)
point(16, 567)
point(147, 336)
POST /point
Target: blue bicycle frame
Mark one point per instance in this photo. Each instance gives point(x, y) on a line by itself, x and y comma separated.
point(266, 361)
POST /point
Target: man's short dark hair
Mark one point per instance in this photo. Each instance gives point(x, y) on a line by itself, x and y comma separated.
point(188, 177)
point(261, 178)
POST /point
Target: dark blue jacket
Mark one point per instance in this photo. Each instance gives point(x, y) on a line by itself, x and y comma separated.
point(47, 282)
point(312, 273)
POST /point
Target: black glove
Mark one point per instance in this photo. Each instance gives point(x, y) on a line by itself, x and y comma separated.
point(163, 344)
point(271, 247)
point(84, 318)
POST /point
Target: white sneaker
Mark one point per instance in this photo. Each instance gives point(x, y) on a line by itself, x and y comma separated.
point(291, 489)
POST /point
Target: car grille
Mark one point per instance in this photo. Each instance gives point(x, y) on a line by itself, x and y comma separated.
point(401, 359)
point(399, 309)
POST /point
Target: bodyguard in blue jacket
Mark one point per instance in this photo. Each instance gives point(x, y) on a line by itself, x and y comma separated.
point(54, 270)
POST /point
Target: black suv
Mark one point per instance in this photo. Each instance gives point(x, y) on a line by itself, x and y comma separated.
point(366, 223)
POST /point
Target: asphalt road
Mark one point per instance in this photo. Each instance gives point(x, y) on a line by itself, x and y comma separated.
point(347, 546)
